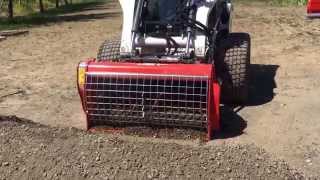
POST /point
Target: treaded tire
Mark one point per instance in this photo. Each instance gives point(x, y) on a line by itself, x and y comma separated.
point(232, 66)
point(109, 51)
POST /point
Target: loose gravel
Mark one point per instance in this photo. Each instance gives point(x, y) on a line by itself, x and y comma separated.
point(34, 151)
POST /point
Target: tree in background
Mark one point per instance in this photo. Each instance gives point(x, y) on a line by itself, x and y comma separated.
point(10, 6)
point(41, 6)
point(10, 9)
point(57, 3)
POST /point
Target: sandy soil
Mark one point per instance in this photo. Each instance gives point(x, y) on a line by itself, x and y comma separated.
point(37, 78)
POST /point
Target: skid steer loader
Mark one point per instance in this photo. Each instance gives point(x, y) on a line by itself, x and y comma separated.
point(173, 62)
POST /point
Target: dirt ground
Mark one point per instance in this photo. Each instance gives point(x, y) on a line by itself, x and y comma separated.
point(38, 82)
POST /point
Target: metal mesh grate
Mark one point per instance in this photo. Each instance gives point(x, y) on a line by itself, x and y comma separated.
point(137, 99)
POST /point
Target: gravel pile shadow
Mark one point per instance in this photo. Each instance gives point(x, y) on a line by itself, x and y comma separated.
point(33, 151)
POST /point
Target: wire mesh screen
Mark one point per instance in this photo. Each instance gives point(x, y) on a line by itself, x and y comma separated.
point(136, 99)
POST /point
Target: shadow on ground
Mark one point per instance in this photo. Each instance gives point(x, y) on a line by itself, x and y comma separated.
point(72, 12)
point(232, 125)
point(15, 119)
point(262, 84)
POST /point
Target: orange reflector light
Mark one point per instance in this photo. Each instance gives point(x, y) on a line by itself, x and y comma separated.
point(81, 75)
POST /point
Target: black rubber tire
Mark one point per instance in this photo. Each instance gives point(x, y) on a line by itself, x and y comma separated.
point(109, 51)
point(232, 66)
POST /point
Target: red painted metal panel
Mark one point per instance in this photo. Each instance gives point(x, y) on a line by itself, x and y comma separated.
point(152, 68)
point(213, 109)
point(216, 106)
point(313, 6)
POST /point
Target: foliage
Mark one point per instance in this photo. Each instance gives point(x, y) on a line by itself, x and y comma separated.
point(290, 2)
point(24, 7)
point(50, 15)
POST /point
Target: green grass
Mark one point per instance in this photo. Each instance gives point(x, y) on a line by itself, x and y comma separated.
point(51, 15)
point(276, 2)
point(289, 2)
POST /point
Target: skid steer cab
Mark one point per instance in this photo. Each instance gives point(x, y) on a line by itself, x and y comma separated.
point(174, 64)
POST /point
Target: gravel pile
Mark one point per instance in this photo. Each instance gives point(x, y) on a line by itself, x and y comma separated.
point(33, 151)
